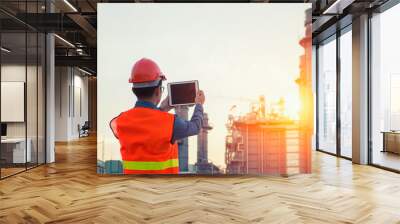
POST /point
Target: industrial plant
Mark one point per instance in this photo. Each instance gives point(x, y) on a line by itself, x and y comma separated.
point(265, 140)
point(202, 166)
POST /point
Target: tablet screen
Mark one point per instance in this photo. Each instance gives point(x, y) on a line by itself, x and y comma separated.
point(183, 93)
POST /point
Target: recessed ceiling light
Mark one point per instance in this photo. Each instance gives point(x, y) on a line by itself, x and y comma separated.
point(70, 5)
point(64, 40)
point(84, 71)
point(5, 50)
point(338, 6)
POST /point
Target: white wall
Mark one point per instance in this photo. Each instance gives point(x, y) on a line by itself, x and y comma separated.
point(80, 103)
point(33, 127)
point(12, 73)
point(16, 73)
point(71, 94)
point(61, 103)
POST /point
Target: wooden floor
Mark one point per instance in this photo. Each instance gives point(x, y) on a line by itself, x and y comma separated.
point(70, 191)
point(387, 159)
point(10, 171)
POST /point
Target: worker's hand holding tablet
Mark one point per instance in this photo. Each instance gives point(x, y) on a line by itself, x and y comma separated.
point(200, 98)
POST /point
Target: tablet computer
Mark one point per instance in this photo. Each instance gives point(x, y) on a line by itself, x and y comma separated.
point(182, 93)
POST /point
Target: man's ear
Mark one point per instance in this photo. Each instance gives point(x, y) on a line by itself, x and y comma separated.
point(158, 91)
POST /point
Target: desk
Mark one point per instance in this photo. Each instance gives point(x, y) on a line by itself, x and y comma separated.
point(391, 141)
point(13, 150)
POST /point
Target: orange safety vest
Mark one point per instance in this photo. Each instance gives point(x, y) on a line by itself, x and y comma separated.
point(145, 137)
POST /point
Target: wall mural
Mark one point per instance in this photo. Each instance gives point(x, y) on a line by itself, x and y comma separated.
point(204, 89)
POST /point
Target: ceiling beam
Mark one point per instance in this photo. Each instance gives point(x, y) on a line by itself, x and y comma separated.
point(84, 24)
point(338, 6)
point(82, 61)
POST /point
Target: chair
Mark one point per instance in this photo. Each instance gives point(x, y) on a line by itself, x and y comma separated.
point(84, 130)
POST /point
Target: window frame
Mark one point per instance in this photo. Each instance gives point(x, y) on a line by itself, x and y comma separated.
point(334, 37)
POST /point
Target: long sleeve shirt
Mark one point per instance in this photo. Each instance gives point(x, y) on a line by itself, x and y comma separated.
point(182, 128)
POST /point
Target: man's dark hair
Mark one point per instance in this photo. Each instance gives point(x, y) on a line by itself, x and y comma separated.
point(146, 92)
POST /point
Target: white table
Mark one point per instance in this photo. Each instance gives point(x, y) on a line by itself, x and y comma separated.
point(18, 154)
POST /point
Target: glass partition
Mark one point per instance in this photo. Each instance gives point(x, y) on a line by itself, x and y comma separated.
point(346, 93)
point(22, 88)
point(327, 96)
point(13, 95)
point(385, 89)
point(31, 100)
point(41, 107)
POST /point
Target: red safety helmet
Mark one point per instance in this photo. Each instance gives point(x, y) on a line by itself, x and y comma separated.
point(146, 73)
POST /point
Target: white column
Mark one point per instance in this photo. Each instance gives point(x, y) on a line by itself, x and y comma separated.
point(50, 100)
point(360, 90)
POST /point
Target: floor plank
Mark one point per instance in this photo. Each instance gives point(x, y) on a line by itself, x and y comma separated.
point(70, 191)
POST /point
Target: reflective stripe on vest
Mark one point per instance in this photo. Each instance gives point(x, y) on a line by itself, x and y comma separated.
point(151, 165)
